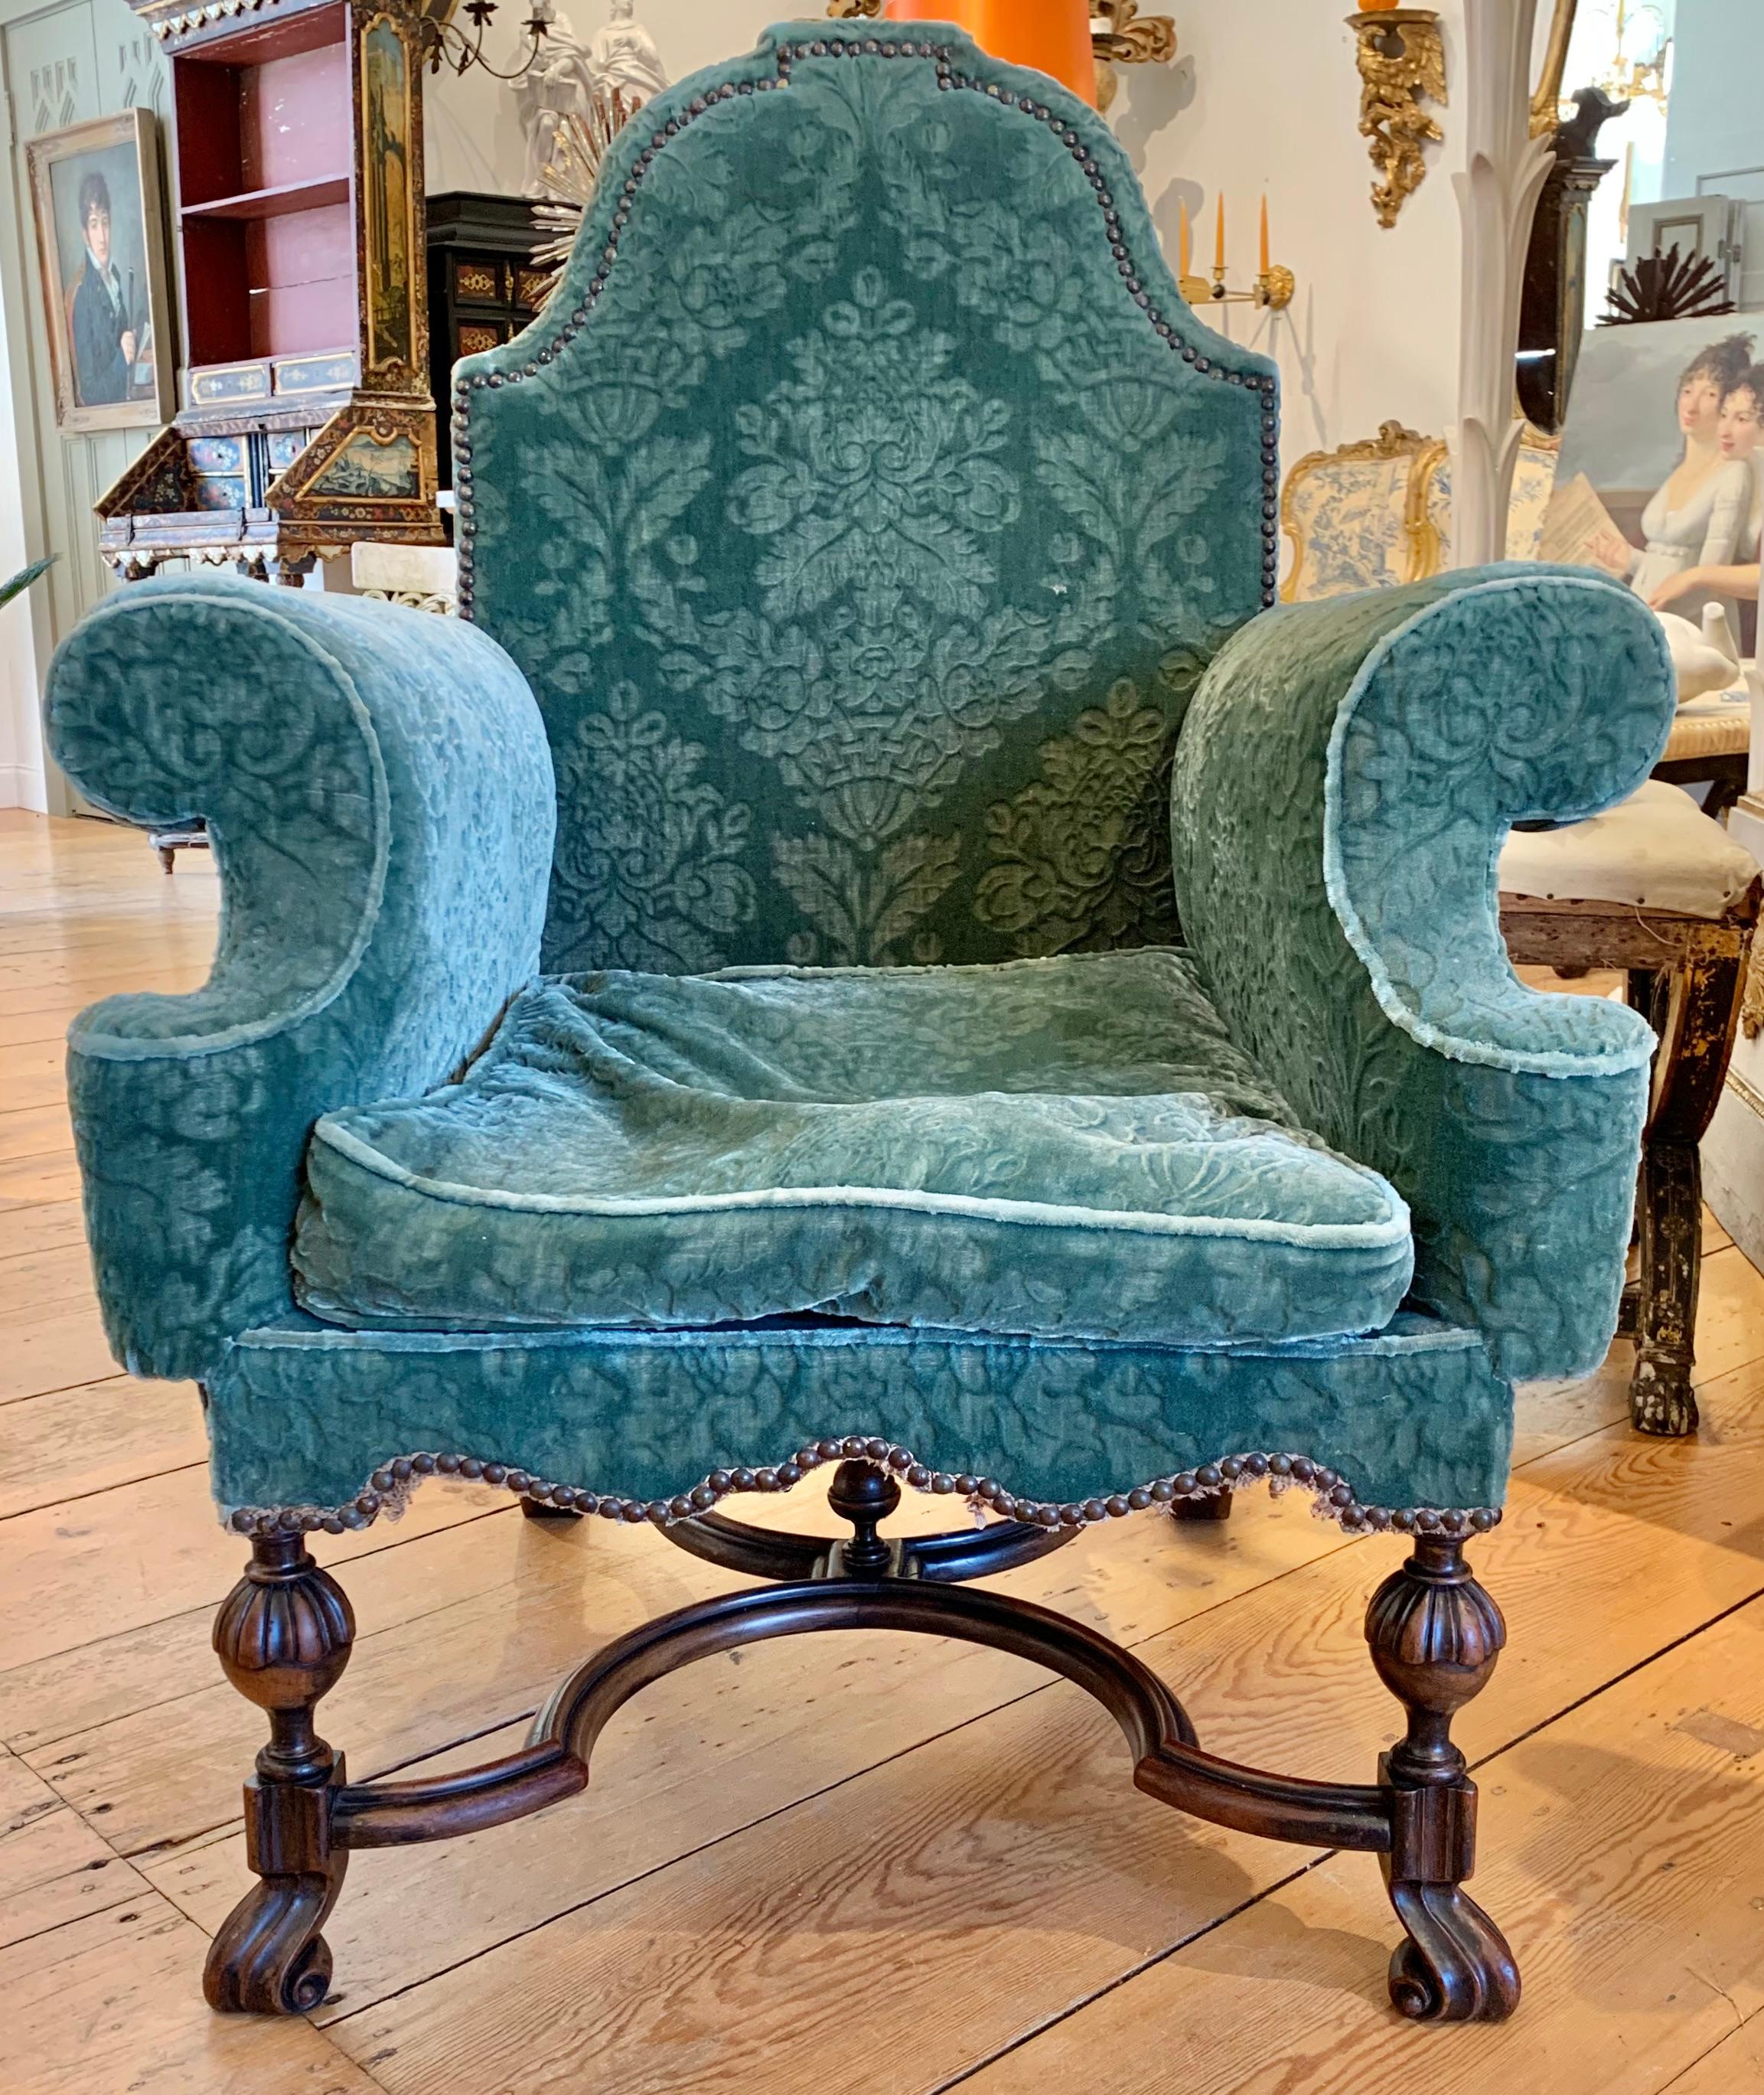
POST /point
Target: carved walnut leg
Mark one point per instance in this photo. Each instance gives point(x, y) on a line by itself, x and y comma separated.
point(1435, 1635)
point(283, 1634)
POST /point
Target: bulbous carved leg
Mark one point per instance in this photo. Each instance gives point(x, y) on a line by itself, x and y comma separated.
point(283, 1634)
point(1435, 1635)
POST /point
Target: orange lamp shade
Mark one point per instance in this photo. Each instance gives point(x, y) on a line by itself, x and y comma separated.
point(1053, 36)
point(965, 13)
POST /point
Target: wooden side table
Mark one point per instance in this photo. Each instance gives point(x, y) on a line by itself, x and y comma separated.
point(1687, 977)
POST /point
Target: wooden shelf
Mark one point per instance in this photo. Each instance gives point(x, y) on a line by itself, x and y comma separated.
point(275, 202)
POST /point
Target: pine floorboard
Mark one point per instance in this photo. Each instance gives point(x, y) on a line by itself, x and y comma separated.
point(894, 1866)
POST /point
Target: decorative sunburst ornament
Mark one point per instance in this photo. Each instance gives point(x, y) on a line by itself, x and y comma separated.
point(1667, 287)
point(578, 147)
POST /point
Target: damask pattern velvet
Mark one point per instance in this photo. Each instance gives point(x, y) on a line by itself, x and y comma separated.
point(863, 545)
point(1344, 781)
point(379, 797)
point(1065, 1148)
point(866, 545)
point(303, 1416)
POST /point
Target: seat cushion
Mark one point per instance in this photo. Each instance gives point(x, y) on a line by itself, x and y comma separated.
point(1656, 850)
point(1060, 1147)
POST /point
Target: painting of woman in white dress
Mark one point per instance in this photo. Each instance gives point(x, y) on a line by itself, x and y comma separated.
point(1739, 435)
point(1699, 515)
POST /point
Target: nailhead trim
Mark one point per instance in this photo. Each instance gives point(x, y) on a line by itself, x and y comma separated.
point(948, 78)
point(1341, 1503)
point(389, 1488)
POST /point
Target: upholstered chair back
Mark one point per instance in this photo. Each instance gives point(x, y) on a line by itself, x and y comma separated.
point(1352, 515)
point(863, 512)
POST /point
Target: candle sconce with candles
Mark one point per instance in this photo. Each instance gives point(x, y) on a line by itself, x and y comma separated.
point(1272, 288)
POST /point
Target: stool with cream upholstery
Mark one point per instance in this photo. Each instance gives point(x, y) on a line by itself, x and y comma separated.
point(1709, 740)
point(1656, 888)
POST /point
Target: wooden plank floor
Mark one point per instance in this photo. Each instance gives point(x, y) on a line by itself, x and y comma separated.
point(888, 1866)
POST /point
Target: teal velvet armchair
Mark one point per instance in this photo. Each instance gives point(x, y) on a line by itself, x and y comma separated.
point(873, 943)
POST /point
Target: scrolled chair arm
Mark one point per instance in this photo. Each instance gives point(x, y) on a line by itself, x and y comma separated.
point(1344, 783)
point(378, 791)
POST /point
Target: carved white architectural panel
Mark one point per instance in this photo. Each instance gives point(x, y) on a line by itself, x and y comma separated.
point(1497, 196)
point(135, 73)
point(54, 96)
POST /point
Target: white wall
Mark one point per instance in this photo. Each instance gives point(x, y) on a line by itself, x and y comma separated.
point(1715, 133)
point(1715, 120)
point(1372, 333)
point(1260, 96)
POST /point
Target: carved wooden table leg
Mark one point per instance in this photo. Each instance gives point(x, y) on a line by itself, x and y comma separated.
point(1435, 1635)
point(283, 1634)
point(1685, 975)
point(1660, 1398)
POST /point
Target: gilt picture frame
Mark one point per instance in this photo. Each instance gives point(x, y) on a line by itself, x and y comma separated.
point(97, 201)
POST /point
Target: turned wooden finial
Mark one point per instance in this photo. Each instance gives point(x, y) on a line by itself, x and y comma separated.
point(864, 1495)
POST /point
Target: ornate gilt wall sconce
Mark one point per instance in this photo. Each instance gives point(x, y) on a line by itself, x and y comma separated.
point(1131, 38)
point(1402, 64)
point(1126, 37)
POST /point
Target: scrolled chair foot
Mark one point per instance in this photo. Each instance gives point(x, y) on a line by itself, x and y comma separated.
point(269, 1957)
point(1454, 1966)
point(1435, 1635)
point(283, 1636)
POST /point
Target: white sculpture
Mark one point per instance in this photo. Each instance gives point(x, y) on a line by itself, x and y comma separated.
point(569, 77)
point(623, 60)
point(555, 84)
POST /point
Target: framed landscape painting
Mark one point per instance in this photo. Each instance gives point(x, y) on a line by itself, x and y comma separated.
point(100, 252)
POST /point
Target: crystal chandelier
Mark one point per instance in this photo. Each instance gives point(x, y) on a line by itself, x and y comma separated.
point(1641, 60)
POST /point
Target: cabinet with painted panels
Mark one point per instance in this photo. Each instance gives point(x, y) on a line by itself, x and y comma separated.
point(307, 423)
point(483, 283)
